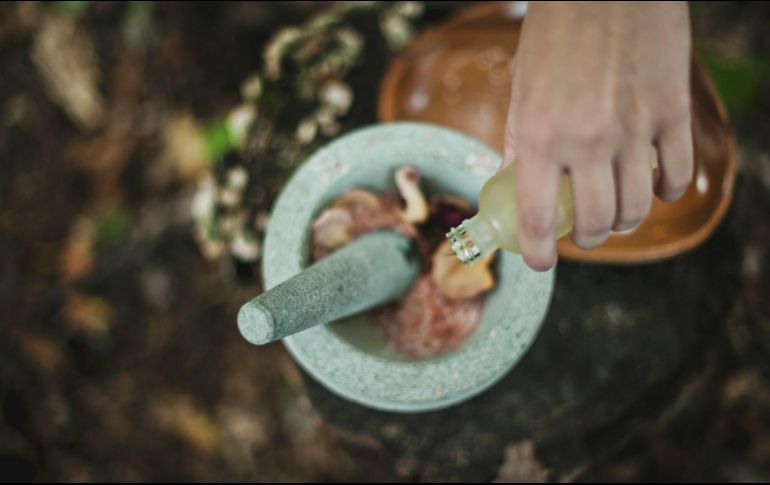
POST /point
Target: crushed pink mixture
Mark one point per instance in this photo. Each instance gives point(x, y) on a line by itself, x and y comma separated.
point(424, 322)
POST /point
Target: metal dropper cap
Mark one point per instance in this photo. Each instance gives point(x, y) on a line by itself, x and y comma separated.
point(463, 245)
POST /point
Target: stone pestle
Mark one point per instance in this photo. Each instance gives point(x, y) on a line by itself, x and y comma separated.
point(373, 269)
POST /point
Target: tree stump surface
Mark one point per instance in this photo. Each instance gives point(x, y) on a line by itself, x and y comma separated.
point(617, 346)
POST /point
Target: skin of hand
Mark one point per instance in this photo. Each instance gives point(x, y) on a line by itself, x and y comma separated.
point(597, 88)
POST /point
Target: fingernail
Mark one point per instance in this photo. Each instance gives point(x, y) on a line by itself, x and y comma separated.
point(625, 228)
point(589, 242)
point(540, 255)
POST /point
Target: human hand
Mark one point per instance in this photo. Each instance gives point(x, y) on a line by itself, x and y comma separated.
point(597, 88)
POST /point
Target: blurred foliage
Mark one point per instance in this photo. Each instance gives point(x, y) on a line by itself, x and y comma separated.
point(75, 6)
point(138, 25)
point(111, 227)
point(119, 359)
point(219, 140)
point(738, 80)
point(314, 76)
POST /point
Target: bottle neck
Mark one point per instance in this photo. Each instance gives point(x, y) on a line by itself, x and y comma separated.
point(472, 240)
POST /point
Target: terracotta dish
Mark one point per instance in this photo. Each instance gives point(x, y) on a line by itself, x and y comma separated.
point(456, 75)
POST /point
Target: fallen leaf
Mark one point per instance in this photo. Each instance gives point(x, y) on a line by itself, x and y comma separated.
point(43, 351)
point(178, 415)
point(65, 58)
point(184, 146)
point(245, 246)
point(520, 465)
point(77, 256)
point(87, 313)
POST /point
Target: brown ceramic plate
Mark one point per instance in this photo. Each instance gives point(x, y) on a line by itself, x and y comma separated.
point(456, 75)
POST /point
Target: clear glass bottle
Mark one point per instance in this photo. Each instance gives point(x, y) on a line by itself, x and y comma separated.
point(496, 224)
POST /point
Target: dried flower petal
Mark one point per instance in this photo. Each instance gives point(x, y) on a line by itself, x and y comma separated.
point(203, 201)
point(239, 121)
point(450, 211)
point(408, 182)
point(251, 89)
point(184, 145)
point(337, 95)
point(237, 177)
point(306, 131)
point(409, 10)
point(352, 215)
point(325, 116)
point(330, 129)
point(277, 48)
point(396, 30)
point(455, 280)
point(245, 246)
point(261, 221)
point(212, 249)
point(359, 197)
point(229, 196)
point(333, 228)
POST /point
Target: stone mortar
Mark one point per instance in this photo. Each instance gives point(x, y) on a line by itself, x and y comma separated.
point(349, 356)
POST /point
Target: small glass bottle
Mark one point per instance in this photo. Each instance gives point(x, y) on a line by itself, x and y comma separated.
point(496, 224)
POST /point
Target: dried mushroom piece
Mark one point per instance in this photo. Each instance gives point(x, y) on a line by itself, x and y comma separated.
point(408, 182)
point(457, 281)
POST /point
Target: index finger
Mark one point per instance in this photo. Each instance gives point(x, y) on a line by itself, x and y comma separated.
point(537, 191)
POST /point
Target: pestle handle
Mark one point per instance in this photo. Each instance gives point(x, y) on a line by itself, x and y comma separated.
point(371, 270)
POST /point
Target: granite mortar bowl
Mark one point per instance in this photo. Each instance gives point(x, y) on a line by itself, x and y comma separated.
point(350, 357)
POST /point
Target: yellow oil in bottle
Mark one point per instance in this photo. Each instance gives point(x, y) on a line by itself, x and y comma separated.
point(496, 224)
